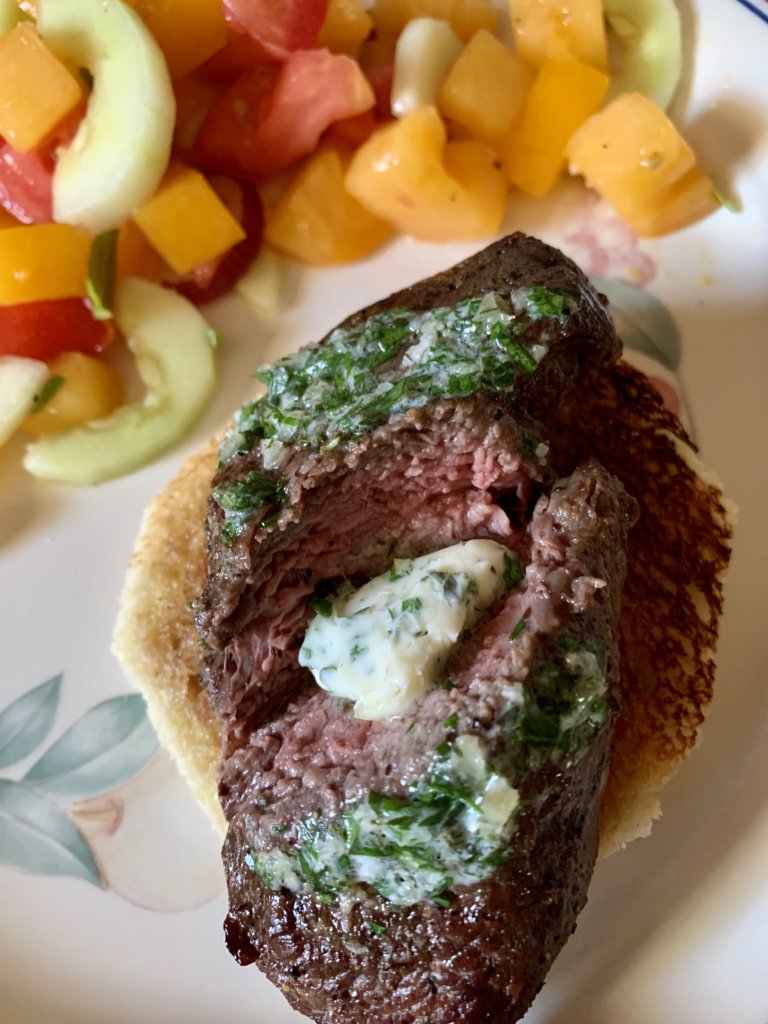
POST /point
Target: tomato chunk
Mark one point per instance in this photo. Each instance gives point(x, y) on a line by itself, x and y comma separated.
point(272, 116)
point(278, 26)
point(42, 330)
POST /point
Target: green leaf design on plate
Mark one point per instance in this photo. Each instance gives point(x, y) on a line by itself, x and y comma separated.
point(642, 321)
point(103, 749)
point(26, 722)
point(37, 836)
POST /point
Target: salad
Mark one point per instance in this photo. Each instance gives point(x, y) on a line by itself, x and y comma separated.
point(146, 171)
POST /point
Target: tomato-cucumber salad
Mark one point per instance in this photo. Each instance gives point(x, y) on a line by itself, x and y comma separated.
point(155, 154)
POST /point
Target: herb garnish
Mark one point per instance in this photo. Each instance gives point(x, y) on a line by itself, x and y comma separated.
point(47, 391)
point(101, 276)
point(241, 498)
point(518, 629)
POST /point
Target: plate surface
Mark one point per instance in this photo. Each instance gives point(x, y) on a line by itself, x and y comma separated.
point(116, 915)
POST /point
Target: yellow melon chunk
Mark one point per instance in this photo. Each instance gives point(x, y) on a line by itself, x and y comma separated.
point(91, 389)
point(186, 222)
point(347, 24)
point(635, 158)
point(316, 220)
point(485, 88)
point(42, 261)
point(187, 31)
point(37, 90)
point(407, 175)
point(561, 30)
point(563, 96)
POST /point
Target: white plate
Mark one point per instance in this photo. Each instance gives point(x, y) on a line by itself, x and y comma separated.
point(676, 930)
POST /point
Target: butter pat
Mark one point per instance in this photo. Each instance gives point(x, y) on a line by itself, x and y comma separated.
point(384, 645)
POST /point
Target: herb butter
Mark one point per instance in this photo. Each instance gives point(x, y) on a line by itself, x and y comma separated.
point(384, 645)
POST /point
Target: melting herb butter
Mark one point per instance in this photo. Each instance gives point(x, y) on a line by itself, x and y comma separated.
point(391, 362)
point(384, 645)
point(451, 829)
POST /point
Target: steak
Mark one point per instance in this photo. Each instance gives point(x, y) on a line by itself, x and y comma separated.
point(361, 879)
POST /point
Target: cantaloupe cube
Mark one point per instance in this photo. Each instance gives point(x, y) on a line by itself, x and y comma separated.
point(634, 157)
point(187, 31)
point(563, 95)
point(560, 29)
point(406, 175)
point(37, 91)
point(135, 256)
point(464, 16)
point(92, 389)
point(347, 24)
point(186, 222)
point(42, 261)
point(485, 88)
point(316, 220)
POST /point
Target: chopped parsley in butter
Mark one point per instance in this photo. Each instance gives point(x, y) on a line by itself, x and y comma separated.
point(384, 645)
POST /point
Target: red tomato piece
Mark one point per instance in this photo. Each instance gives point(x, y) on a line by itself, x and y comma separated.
point(43, 330)
point(255, 131)
point(215, 278)
point(26, 184)
point(238, 56)
point(278, 26)
point(26, 179)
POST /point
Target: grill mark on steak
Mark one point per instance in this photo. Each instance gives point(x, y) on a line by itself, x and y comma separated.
point(451, 471)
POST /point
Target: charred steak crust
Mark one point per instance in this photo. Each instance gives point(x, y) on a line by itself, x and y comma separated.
point(454, 469)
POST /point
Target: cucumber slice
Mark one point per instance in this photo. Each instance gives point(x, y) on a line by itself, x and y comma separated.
point(121, 151)
point(649, 31)
point(174, 357)
point(20, 383)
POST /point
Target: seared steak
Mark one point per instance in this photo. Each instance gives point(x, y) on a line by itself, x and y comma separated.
point(369, 871)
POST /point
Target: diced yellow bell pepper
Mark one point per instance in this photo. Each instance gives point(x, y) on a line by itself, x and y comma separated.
point(485, 88)
point(42, 261)
point(564, 94)
point(317, 221)
point(187, 31)
point(186, 222)
point(561, 30)
point(135, 256)
point(91, 390)
point(406, 174)
point(347, 24)
point(464, 16)
point(37, 90)
point(634, 157)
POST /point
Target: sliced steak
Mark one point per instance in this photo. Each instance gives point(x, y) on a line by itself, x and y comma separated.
point(328, 894)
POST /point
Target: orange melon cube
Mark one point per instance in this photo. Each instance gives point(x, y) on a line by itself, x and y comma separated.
point(636, 159)
point(560, 30)
point(347, 25)
point(37, 90)
point(186, 222)
point(464, 16)
point(187, 31)
point(563, 96)
point(317, 221)
point(42, 261)
point(630, 152)
point(485, 88)
point(135, 256)
point(407, 175)
point(91, 390)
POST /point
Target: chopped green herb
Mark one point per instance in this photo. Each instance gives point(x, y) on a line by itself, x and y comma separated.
point(241, 498)
point(411, 727)
point(411, 604)
point(451, 721)
point(549, 302)
point(514, 572)
point(518, 629)
point(377, 928)
point(47, 391)
point(279, 829)
point(322, 606)
point(101, 275)
point(449, 685)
